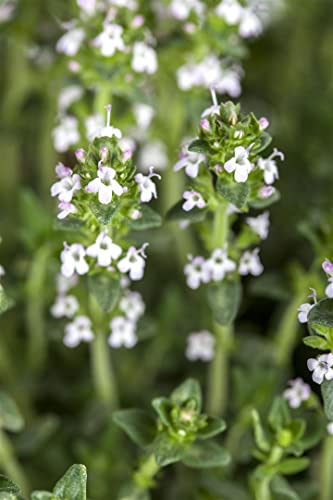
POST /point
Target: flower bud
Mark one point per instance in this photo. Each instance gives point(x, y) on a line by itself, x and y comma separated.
point(104, 154)
point(266, 191)
point(229, 113)
point(205, 125)
point(80, 155)
point(263, 123)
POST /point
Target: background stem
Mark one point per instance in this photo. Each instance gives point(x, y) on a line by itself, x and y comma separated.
point(102, 372)
point(10, 465)
point(326, 470)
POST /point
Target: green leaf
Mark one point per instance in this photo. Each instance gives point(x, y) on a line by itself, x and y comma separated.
point(69, 224)
point(198, 146)
point(264, 141)
point(5, 302)
point(214, 426)
point(176, 213)
point(279, 415)
point(104, 213)
point(6, 485)
point(327, 393)
point(206, 454)
point(224, 300)
point(139, 425)
point(167, 450)
point(42, 495)
point(4, 495)
point(234, 192)
point(259, 433)
point(316, 342)
point(282, 489)
point(149, 219)
point(73, 485)
point(163, 407)
point(321, 314)
point(10, 416)
point(292, 465)
point(261, 203)
point(188, 390)
point(106, 290)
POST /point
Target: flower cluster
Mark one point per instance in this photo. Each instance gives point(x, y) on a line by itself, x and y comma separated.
point(200, 346)
point(123, 328)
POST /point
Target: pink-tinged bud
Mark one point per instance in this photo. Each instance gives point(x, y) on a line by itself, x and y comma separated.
point(189, 28)
point(218, 168)
point(125, 189)
point(135, 214)
point(127, 155)
point(266, 191)
point(74, 66)
point(327, 266)
point(104, 154)
point(80, 155)
point(205, 125)
point(263, 123)
point(138, 21)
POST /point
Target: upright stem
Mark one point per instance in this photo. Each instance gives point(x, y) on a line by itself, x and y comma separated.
point(101, 367)
point(10, 465)
point(144, 477)
point(218, 370)
point(326, 468)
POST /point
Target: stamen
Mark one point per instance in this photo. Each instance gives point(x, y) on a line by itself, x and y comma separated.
point(214, 98)
point(108, 117)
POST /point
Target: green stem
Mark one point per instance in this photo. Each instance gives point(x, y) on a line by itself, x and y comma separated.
point(218, 370)
point(326, 468)
point(261, 489)
point(102, 372)
point(144, 477)
point(10, 465)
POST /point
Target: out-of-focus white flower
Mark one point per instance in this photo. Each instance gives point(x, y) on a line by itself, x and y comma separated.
point(66, 187)
point(73, 260)
point(230, 10)
point(153, 153)
point(143, 114)
point(122, 333)
point(132, 305)
point(200, 345)
point(65, 306)
point(66, 134)
point(144, 58)
point(329, 428)
point(260, 224)
point(66, 208)
point(192, 199)
point(181, 9)
point(110, 40)
point(297, 392)
point(104, 250)
point(269, 166)
point(71, 41)
point(93, 124)
point(2, 272)
point(219, 264)
point(68, 95)
point(250, 263)
point(196, 272)
point(78, 331)
point(7, 9)
point(87, 6)
point(190, 161)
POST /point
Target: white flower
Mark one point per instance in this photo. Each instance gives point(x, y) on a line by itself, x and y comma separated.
point(66, 134)
point(71, 41)
point(66, 208)
point(303, 312)
point(260, 224)
point(122, 333)
point(144, 58)
point(104, 250)
point(321, 367)
point(230, 10)
point(188, 76)
point(190, 161)
point(193, 199)
point(2, 271)
point(329, 428)
point(147, 187)
point(153, 152)
point(93, 124)
point(65, 306)
point(250, 24)
point(196, 272)
point(329, 288)
point(108, 130)
point(219, 264)
point(110, 40)
point(66, 187)
point(240, 164)
point(73, 260)
point(269, 166)
point(64, 284)
point(250, 263)
point(132, 305)
point(88, 6)
point(68, 95)
point(105, 184)
point(78, 331)
point(200, 345)
point(62, 171)
point(143, 115)
point(181, 9)
point(229, 82)
point(134, 263)
point(7, 9)
point(297, 392)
